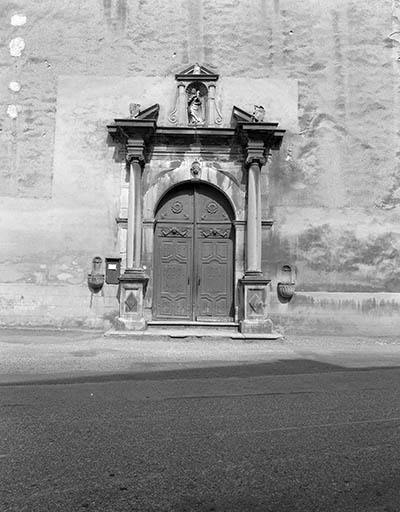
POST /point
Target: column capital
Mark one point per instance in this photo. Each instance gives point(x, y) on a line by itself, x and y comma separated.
point(133, 157)
point(135, 151)
point(255, 159)
point(256, 153)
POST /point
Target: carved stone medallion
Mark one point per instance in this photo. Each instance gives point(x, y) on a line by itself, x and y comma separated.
point(177, 207)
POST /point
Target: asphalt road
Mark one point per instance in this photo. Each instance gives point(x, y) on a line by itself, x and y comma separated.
point(285, 436)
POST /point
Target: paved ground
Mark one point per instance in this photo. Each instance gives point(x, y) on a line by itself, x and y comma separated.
point(34, 355)
point(304, 424)
point(292, 435)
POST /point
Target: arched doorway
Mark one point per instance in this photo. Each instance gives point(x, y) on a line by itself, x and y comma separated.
point(193, 255)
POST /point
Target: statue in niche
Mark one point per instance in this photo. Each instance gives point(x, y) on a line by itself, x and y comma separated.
point(258, 114)
point(196, 106)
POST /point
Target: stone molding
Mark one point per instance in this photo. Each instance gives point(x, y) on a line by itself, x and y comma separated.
point(135, 151)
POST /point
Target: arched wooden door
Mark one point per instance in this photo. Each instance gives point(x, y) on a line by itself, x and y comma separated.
point(193, 255)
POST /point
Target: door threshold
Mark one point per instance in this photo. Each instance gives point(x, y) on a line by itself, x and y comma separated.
point(183, 323)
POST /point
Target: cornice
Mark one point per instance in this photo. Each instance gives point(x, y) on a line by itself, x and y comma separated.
point(141, 135)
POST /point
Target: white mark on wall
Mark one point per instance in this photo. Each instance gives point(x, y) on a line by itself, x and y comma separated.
point(14, 86)
point(18, 20)
point(64, 276)
point(16, 46)
point(13, 111)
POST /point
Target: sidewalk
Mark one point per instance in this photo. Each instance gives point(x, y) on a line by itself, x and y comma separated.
point(35, 355)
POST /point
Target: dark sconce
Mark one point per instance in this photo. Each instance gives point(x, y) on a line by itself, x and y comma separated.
point(96, 278)
point(286, 285)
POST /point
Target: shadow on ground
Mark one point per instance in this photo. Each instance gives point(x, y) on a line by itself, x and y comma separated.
point(243, 370)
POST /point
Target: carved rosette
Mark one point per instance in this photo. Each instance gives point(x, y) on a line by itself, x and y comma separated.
point(212, 208)
point(177, 207)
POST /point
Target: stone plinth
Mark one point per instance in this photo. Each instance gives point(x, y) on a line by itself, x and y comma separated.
point(253, 305)
point(131, 299)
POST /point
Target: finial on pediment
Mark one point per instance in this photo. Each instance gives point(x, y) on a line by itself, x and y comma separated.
point(242, 116)
point(134, 110)
point(258, 114)
point(149, 113)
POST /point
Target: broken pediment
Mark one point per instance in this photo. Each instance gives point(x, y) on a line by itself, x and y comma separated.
point(149, 113)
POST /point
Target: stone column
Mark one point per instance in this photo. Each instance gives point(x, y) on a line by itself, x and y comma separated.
point(135, 159)
point(254, 285)
point(134, 280)
point(130, 232)
point(253, 238)
point(137, 246)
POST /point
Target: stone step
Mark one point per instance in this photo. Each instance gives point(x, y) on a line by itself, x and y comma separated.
point(196, 327)
point(193, 332)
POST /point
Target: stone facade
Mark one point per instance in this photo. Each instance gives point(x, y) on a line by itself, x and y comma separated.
point(327, 72)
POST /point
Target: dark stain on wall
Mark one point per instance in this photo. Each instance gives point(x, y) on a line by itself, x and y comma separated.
point(327, 259)
point(116, 13)
point(371, 304)
point(122, 11)
point(323, 250)
point(374, 259)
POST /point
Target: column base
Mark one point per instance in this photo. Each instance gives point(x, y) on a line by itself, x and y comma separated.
point(132, 288)
point(254, 319)
point(256, 327)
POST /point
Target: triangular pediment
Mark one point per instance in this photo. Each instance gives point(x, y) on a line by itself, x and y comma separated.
point(197, 72)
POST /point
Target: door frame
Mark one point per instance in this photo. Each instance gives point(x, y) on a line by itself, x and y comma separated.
point(195, 264)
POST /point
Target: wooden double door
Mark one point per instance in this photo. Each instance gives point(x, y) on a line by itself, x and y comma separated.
point(193, 255)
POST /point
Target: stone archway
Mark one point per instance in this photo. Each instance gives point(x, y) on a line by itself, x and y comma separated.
point(194, 255)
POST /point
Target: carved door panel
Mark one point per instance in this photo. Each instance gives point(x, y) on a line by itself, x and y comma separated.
point(173, 272)
point(193, 256)
point(215, 286)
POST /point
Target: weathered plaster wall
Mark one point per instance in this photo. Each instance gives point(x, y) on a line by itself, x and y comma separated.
point(333, 189)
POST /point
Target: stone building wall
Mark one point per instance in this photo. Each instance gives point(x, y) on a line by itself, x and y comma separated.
point(68, 68)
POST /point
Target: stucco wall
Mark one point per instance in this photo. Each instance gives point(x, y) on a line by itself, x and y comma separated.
point(333, 189)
